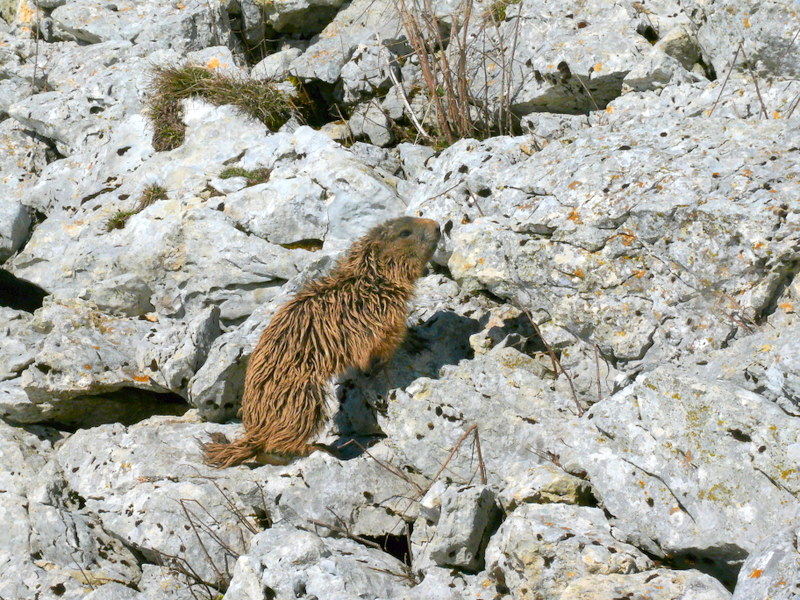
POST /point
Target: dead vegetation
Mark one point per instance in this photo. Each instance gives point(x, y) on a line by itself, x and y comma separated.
point(262, 100)
point(452, 56)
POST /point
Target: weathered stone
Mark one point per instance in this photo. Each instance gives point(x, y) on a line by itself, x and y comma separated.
point(766, 33)
point(466, 514)
point(570, 59)
point(658, 584)
point(187, 27)
point(290, 210)
point(518, 418)
point(690, 466)
point(540, 549)
point(543, 484)
point(292, 563)
point(150, 490)
point(370, 121)
point(361, 22)
point(772, 570)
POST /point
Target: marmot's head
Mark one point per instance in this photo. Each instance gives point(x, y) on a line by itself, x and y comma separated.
point(398, 249)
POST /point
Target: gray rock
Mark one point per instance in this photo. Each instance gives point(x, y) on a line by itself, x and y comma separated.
point(301, 16)
point(84, 367)
point(519, 418)
point(548, 127)
point(193, 26)
point(367, 72)
point(465, 516)
point(167, 245)
point(658, 584)
point(543, 548)
point(361, 22)
point(67, 183)
point(113, 591)
point(288, 210)
point(655, 71)
point(567, 61)
point(543, 484)
point(276, 65)
point(772, 570)
point(15, 223)
point(449, 584)
point(550, 219)
point(162, 583)
point(251, 25)
point(148, 487)
point(766, 362)
point(370, 121)
point(292, 563)
point(766, 34)
point(686, 463)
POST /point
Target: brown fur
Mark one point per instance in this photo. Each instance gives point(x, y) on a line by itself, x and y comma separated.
point(354, 317)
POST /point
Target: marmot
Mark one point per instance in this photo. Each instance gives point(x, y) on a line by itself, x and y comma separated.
point(354, 317)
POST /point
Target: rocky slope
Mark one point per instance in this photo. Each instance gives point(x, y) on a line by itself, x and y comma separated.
point(603, 396)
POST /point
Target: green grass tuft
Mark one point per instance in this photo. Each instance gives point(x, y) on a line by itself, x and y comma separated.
point(253, 177)
point(118, 219)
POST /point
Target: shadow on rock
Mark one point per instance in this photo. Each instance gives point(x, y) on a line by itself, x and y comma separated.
point(441, 340)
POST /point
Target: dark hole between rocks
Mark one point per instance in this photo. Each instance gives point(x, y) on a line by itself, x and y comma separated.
point(126, 406)
point(19, 294)
point(396, 545)
point(722, 563)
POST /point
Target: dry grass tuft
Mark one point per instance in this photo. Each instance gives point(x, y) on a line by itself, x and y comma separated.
point(262, 100)
point(450, 56)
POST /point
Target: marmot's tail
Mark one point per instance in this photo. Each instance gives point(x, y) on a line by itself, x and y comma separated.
point(223, 454)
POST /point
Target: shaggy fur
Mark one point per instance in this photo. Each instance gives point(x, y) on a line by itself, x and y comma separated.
point(354, 317)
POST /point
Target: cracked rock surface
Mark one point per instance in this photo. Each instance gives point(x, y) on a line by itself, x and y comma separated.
point(600, 391)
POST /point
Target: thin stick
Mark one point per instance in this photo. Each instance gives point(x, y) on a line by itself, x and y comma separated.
point(481, 464)
point(724, 83)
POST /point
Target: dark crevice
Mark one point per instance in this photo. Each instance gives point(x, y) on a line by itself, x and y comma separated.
point(396, 545)
point(126, 406)
point(785, 281)
point(19, 294)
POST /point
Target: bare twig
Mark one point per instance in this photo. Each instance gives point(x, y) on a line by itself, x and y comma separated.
point(481, 464)
point(724, 83)
point(597, 372)
point(346, 533)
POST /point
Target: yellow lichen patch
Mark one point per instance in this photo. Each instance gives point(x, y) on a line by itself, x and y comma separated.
point(756, 573)
point(785, 474)
point(747, 23)
point(639, 273)
point(141, 378)
point(786, 306)
point(574, 216)
point(574, 184)
point(87, 366)
point(213, 63)
point(766, 348)
point(776, 115)
point(578, 273)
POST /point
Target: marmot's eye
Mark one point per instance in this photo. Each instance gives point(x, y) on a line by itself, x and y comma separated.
point(405, 233)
